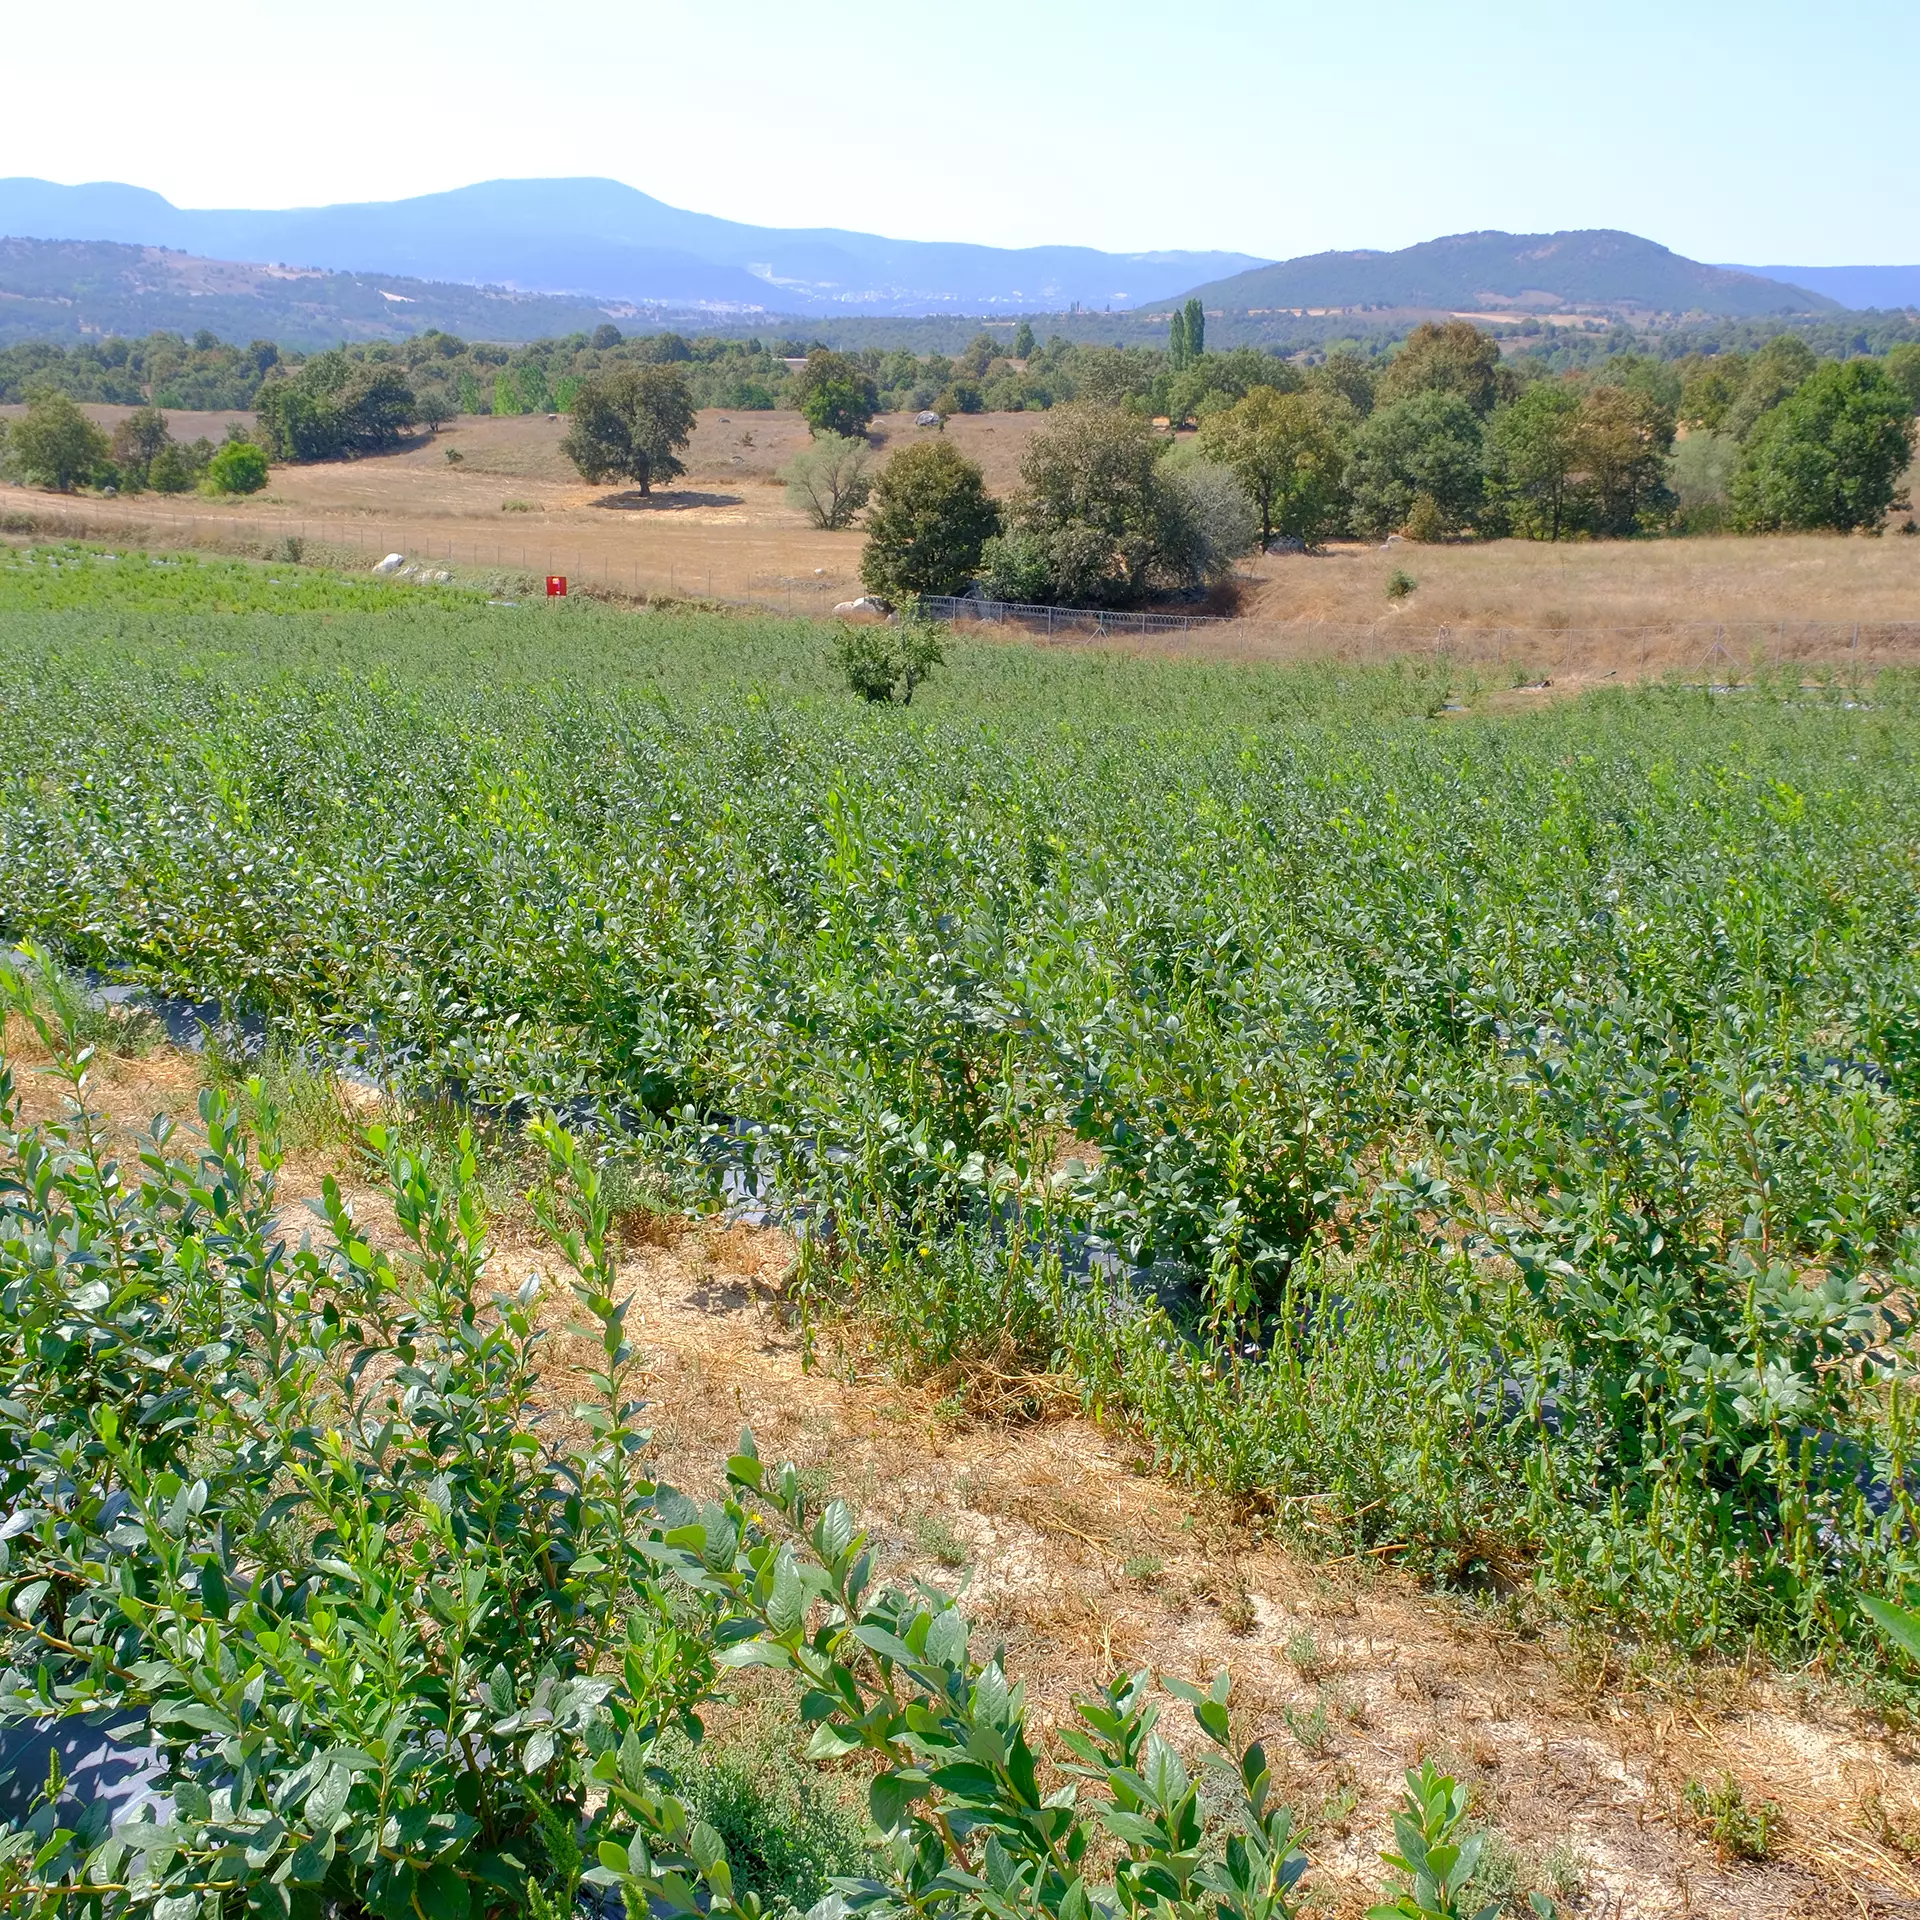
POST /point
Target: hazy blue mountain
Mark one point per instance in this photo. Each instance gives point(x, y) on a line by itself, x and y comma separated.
point(610, 242)
point(1857, 287)
point(1493, 272)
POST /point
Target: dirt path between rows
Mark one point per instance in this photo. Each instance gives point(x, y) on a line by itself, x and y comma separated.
point(1080, 1557)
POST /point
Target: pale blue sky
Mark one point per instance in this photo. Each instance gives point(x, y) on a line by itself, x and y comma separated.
point(1764, 132)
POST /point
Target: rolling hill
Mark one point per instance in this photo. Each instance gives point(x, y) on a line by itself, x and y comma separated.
point(1521, 272)
point(610, 242)
point(81, 289)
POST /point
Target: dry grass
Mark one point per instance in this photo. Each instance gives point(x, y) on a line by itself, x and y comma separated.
point(1079, 1558)
point(1647, 583)
point(1515, 608)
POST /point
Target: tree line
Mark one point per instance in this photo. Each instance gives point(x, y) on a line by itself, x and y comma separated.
point(1447, 438)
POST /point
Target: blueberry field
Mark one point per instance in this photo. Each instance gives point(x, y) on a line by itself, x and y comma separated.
point(1523, 1106)
point(1485, 1139)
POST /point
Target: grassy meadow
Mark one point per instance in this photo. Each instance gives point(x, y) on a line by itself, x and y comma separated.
point(1519, 1112)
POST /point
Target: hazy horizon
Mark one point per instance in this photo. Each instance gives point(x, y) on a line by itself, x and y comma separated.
point(1268, 130)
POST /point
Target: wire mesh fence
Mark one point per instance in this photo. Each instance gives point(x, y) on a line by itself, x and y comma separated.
point(961, 610)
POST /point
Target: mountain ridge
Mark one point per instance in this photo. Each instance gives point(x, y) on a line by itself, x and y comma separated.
point(81, 289)
point(1493, 270)
point(603, 240)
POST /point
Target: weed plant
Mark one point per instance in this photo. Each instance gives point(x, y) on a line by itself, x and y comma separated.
point(1518, 1115)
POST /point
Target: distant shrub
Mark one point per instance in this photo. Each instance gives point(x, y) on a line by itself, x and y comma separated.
point(829, 480)
point(1096, 523)
point(176, 468)
point(239, 467)
point(137, 441)
point(1220, 514)
point(1701, 471)
point(878, 661)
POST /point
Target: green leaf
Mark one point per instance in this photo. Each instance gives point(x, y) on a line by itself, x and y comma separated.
point(753, 1653)
point(441, 1893)
point(1132, 1828)
point(706, 1846)
point(1900, 1625)
point(890, 1796)
point(310, 1859)
point(787, 1604)
point(879, 1640)
point(213, 1589)
point(829, 1743)
point(947, 1638)
point(966, 1780)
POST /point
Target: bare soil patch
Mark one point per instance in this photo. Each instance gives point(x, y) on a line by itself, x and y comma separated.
point(1080, 1556)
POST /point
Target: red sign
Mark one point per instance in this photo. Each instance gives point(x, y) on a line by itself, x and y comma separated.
point(556, 586)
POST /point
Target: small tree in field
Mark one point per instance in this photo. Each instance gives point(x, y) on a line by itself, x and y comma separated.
point(630, 423)
point(56, 445)
point(828, 481)
point(1419, 463)
point(239, 467)
point(931, 517)
point(877, 660)
point(835, 394)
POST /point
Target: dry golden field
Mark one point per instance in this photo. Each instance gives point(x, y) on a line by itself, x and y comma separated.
point(511, 503)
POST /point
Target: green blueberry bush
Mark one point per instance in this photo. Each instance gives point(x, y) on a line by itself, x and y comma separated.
point(1488, 1143)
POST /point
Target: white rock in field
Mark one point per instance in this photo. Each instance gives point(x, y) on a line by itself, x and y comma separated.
point(927, 419)
point(391, 564)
